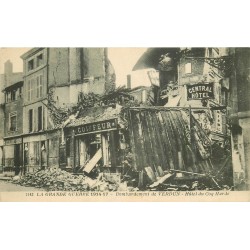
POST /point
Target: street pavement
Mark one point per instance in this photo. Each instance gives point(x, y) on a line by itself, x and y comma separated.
point(6, 186)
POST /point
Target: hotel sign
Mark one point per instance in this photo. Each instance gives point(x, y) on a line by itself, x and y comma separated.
point(200, 91)
point(96, 127)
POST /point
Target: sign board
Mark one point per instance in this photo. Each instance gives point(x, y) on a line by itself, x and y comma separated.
point(96, 127)
point(200, 91)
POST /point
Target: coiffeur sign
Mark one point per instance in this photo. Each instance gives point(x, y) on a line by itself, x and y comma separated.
point(96, 127)
point(200, 91)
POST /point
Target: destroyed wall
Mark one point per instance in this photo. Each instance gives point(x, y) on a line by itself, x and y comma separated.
point(94, 70)
point(58, 67)
point(62, 70)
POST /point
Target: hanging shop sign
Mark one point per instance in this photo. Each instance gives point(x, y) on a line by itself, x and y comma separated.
point(200, 91)
point(96, 127)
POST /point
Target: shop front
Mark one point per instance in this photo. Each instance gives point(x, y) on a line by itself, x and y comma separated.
point(13, 154)
point(96, 144)
point(157, 137)
point(35, 152)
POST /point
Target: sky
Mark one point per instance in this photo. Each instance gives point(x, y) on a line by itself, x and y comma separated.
point(123, 60)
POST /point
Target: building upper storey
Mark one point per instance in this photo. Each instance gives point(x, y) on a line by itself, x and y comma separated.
point(10, 84)
point(68, 70)
point(34, 60)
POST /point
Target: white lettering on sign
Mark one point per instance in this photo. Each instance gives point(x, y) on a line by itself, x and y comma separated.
point(200, 91)
point(97, 126)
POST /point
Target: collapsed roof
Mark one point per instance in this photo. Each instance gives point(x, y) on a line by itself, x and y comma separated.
point(159, 136)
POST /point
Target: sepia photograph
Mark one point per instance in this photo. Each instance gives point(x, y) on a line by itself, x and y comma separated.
point(124, 123)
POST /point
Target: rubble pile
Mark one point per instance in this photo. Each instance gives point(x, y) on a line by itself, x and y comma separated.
point(55, 179)
point(186, 182)
point(59, 180)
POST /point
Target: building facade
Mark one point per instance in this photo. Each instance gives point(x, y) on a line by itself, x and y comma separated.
point(239, 117)
point(12, 116)
point(57, 76)
point(191, 81)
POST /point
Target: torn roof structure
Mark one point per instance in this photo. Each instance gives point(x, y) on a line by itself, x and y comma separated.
point(158, 136)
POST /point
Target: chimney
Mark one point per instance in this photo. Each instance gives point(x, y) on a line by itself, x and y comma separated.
point(8, 70)
point(8, 67)
point(129, 81)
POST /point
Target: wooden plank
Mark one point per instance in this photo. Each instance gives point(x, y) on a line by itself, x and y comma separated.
point(163, 140)
point(159, 143)
point(155, 146)
point(161, 180)
point(166, 142)
point(141, 132)
point(177, 135)
point(138, 139)
point(172, 139)
point(93, 161)
point(191, 158)
point(141, 179)
point(183, 153)
point(147, 141)
point(150, 173)
point(131, 138)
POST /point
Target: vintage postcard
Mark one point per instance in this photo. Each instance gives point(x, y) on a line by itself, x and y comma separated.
point(125, 124)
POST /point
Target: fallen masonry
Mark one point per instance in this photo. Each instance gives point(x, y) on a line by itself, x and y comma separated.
point(60, 180)
point(55, 179)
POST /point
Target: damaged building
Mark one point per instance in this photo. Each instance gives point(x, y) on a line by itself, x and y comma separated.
point(52, 79)
point(144, 142)
point(165, 136)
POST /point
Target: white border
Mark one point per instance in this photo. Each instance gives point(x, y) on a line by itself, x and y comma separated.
point(124, 24)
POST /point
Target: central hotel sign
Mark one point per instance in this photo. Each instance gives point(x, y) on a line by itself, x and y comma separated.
point(200, 91)
point(96, 127)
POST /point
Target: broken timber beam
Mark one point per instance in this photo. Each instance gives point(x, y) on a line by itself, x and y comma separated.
point(161, 180)
point(187, 172)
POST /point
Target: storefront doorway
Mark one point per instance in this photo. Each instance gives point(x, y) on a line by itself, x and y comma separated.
point(18, 159)
point(98, 150)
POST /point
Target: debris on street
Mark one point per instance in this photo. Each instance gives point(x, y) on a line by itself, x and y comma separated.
point(59, 180)
point(55, 179)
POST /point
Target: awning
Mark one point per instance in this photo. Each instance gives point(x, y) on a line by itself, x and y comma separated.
point(13, 86)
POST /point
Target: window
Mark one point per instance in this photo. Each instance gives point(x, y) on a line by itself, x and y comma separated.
point(13, 95)
point(31, 65)
point(35, 88)
point(39, 82)
point(30, 89)
point(10, 96)
point(7, 97)
point(13, 122)
point(188, 68)
point(39, 60)
point(30, 120)
point(40, 118)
